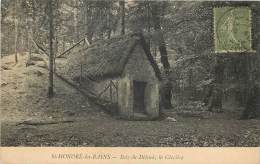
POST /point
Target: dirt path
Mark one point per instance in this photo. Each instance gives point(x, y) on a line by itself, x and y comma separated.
point(24, 98)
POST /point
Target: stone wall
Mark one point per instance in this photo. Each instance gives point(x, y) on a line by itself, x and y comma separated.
point(138, 68)
point(152, 100)
point(125, 97)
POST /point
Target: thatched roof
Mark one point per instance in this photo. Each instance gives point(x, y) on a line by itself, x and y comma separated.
point(107, 58)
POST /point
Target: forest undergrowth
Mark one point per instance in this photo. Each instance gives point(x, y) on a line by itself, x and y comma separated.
point(29, 118)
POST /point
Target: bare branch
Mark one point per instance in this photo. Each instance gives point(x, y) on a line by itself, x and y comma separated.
point(40, 47)
point(63, 53)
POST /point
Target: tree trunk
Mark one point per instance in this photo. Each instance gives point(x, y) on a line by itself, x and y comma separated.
point(51, 55)
point(191, 85)
point(252, 103)
point(208, 94)
point(16, 32)
point(108, 21)
point(149, 22)
point(252, 106)
point(215, 101)
point(28, 42)
point(167, 89)
point(75, 16)
point(162, 45)
point(122, 13)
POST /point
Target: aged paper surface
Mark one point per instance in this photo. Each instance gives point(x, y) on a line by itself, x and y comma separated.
point(125, 81)
point(47, 155)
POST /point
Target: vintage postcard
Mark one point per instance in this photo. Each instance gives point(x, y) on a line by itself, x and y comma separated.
point(130, 81)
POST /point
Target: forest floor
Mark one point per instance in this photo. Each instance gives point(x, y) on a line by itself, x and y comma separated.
point(29, 118)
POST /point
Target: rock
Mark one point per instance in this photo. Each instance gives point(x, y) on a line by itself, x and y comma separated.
point(29, 63)
point(171, 119)
point(70, 113)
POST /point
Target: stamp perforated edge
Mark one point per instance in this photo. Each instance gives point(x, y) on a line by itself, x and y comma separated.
point(250, 31)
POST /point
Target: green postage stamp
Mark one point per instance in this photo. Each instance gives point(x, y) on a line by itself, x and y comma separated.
point(232, 29)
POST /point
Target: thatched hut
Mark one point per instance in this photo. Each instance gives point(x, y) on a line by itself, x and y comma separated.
point(128, 60)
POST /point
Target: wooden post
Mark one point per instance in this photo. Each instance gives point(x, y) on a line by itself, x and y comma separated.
point(63, 44)
point(117, 91)
point(80, 78)
point(111, 91)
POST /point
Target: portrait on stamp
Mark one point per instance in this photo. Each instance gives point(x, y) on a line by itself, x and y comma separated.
point(232, 29)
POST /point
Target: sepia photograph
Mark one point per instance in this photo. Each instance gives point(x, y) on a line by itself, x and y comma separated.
point(130, 73)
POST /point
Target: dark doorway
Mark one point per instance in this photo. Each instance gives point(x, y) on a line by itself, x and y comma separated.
point(139, 89)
